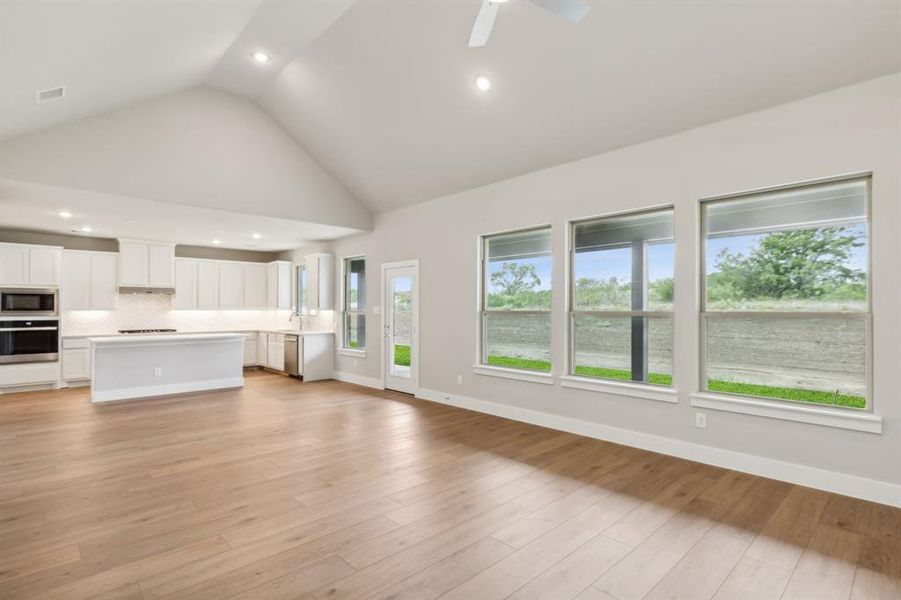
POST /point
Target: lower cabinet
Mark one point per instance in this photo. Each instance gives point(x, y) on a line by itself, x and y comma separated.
point(41, 373)
point(250, 349)
point(276, 352)
point(76, 360)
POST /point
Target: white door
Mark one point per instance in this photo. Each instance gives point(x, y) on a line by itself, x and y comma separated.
point(75, 284)
point(401, 326)
point(43, 266)
point(161, 265)
point(133, 264)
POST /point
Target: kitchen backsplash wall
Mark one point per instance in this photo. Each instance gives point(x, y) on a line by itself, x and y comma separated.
point(154, 311)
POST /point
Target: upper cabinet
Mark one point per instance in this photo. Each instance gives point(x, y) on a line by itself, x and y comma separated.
point(28, 265)
point(320, 291)
point(278, 281)
point(146, 264)
point(88, 280)
point(185, 284)
point(255, 285)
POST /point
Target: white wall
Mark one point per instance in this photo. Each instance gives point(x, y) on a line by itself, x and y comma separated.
point(197, 147)
point(849, 130)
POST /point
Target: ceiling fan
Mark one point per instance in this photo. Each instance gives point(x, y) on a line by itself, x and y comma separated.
point(571, 10)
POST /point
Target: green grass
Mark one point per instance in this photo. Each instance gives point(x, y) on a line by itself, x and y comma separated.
point(783, 393)
point(713, 385)
point(402, 355)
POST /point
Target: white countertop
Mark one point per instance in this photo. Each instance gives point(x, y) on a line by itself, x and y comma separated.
point(167, 338)
point(117, 335)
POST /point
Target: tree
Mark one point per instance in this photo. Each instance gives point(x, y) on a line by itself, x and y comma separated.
point(514, 278)
point(804, 264)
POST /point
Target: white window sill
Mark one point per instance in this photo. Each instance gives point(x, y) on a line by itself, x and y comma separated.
point(352, 352)
point(621, 388)
point(518, 374)
point(789, 412)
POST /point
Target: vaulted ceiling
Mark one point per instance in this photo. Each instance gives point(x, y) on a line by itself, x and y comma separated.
point(380, 92)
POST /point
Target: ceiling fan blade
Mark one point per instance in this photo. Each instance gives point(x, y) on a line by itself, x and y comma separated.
point(484, 22)
point(571, 10)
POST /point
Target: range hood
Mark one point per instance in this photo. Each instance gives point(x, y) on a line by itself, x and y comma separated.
point(126, 289)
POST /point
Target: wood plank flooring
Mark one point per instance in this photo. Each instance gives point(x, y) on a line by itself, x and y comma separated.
point(329, 491)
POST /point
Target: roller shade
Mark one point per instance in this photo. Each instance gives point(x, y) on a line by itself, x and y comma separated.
point(519, 245)
point(626, 229)
point(837, 203)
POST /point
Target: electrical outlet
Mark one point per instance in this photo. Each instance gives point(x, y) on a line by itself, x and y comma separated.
point(355, 362)
point(158, 372)
point(459, 380)
point(701, 420)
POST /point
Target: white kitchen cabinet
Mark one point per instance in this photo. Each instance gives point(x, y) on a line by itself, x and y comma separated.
point(76, 360)
point(29, 265)
point(146, 264)
point(275, 358)
point(25, 374)
point(255, 285)
point(316, 356)
point(231, 285)
point(185, 284)
point(250, 349)
point(320, 282)
point(43, 265)
point(279, 285)
point(207, 284)
point(88, 280)
point(75, 283)
point(262, 349)
point(161, 269)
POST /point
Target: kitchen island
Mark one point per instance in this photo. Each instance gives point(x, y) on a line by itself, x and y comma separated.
point(144, 366)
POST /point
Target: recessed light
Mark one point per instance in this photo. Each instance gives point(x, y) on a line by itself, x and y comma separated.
point(64, 214)
point(261, 57)
point(217, 241)
point(256, 236)
point(483, 84)
point(86, 229)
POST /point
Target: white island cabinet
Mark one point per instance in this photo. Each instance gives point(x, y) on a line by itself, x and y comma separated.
point(142, 366)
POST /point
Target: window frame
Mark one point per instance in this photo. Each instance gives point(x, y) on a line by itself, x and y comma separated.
point(640, 389)
point(797, 410)
point(361, 310)
point(481, 366)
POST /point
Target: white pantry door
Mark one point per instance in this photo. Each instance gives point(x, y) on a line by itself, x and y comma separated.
point(400, 282)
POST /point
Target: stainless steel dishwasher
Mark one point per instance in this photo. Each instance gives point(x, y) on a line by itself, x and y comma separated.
point(292, 364)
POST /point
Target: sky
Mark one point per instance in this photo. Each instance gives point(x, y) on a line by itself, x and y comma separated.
point(616, 262)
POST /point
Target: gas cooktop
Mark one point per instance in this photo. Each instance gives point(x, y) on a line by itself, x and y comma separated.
point(147, 331)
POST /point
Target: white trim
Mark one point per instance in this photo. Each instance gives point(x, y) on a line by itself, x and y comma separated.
point(372, 382)
point(165, 390)
point(621, 388)
point(830, 481)
point(789, 412)
point(352, 352)
point(517, 374)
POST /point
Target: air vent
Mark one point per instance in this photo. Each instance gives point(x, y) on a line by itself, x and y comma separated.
point(51, 94)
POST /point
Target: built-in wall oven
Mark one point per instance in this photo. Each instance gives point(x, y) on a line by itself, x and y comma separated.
point(28, 303)
point(24, 340)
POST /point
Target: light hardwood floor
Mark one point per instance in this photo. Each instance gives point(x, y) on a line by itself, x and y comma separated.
point(327, 490)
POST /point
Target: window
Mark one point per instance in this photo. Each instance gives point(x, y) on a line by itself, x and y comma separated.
point(516, 300)
point(621, 300)
point(785, 303)
point(354, 309)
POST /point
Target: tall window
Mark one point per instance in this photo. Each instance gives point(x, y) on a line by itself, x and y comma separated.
point(354, 309)
point(621, 300)
point(516, 300)
point(785, 303)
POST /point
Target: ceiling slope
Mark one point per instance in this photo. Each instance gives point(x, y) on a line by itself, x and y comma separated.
point(384, 99)
point(106, 54)
point(198, 147)
point(283, 30)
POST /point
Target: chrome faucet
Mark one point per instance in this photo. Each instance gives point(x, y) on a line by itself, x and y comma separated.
point(299, 321)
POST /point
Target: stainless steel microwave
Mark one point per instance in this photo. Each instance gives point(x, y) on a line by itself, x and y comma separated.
point(28, 303)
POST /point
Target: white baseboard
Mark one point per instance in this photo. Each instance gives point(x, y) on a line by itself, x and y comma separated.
point(830, 481)
point(372, 382)
point(165, 390)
